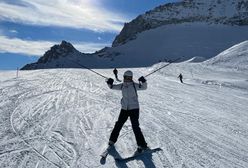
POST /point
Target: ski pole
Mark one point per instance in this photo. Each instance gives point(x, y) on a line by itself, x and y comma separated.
point(162, 67)
point(89, 69)
point(17, 70)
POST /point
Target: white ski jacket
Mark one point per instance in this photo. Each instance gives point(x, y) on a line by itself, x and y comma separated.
point(129, 99)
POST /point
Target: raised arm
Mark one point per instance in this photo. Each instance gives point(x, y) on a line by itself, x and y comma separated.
point(115, 87)
point(142, 85)
point(110, 82)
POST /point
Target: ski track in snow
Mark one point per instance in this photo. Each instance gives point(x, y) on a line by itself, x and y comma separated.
point(63, 118)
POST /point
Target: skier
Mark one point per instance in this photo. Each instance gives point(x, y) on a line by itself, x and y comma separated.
point(115, 71)
point(129, 108)
point(180, 77)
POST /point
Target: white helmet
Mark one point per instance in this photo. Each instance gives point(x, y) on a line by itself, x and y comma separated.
point(128, 73)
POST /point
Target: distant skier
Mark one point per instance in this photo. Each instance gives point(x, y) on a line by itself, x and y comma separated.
point(180, 77)
point(130, 108)
point(115, 71)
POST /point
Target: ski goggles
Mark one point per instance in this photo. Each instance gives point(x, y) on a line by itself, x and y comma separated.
point(128, 77)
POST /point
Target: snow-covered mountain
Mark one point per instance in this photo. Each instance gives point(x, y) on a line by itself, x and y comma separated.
point(192, 28)
point(56, 53)
point(65, 55)
point(227, 12)
point(186, 29)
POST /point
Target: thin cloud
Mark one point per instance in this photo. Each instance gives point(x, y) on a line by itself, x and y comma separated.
point(87, 14)
point(13, 31)
point(38, 48)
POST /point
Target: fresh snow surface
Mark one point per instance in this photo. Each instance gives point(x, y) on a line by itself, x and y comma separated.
point(63, 118)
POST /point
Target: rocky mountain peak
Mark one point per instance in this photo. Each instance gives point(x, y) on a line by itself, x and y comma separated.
point(227, 12)
point(56, 51)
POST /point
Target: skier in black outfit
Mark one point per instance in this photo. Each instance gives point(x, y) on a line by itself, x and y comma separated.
point(180, 77)
point(115, 71)
point(130, 108)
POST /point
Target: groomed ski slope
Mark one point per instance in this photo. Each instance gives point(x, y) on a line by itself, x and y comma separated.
point(63, 118)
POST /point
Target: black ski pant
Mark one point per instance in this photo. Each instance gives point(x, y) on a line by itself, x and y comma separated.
point(116, 77)
point(134, 117)
point(181, 80)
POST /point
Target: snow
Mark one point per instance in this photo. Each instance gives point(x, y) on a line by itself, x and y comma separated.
point(185, 40)
point(221, 9)
point(63, 118)
point(196, 59)
point(235, 57)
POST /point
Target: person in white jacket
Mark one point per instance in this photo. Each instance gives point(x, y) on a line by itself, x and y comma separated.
point(129, 108)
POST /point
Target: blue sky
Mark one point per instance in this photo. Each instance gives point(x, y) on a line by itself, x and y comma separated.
point(28, 28)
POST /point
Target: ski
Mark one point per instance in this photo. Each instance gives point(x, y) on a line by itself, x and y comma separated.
point(149, 151)
point(104, 154)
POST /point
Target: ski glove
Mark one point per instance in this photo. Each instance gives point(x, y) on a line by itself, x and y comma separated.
point(142, 79)
point(110, 81)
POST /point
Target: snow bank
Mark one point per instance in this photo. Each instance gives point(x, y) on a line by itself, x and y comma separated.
point(235, 57)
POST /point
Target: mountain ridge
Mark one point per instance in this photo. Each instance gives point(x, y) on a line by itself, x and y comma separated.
point(167, 32)
point(194, 11)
